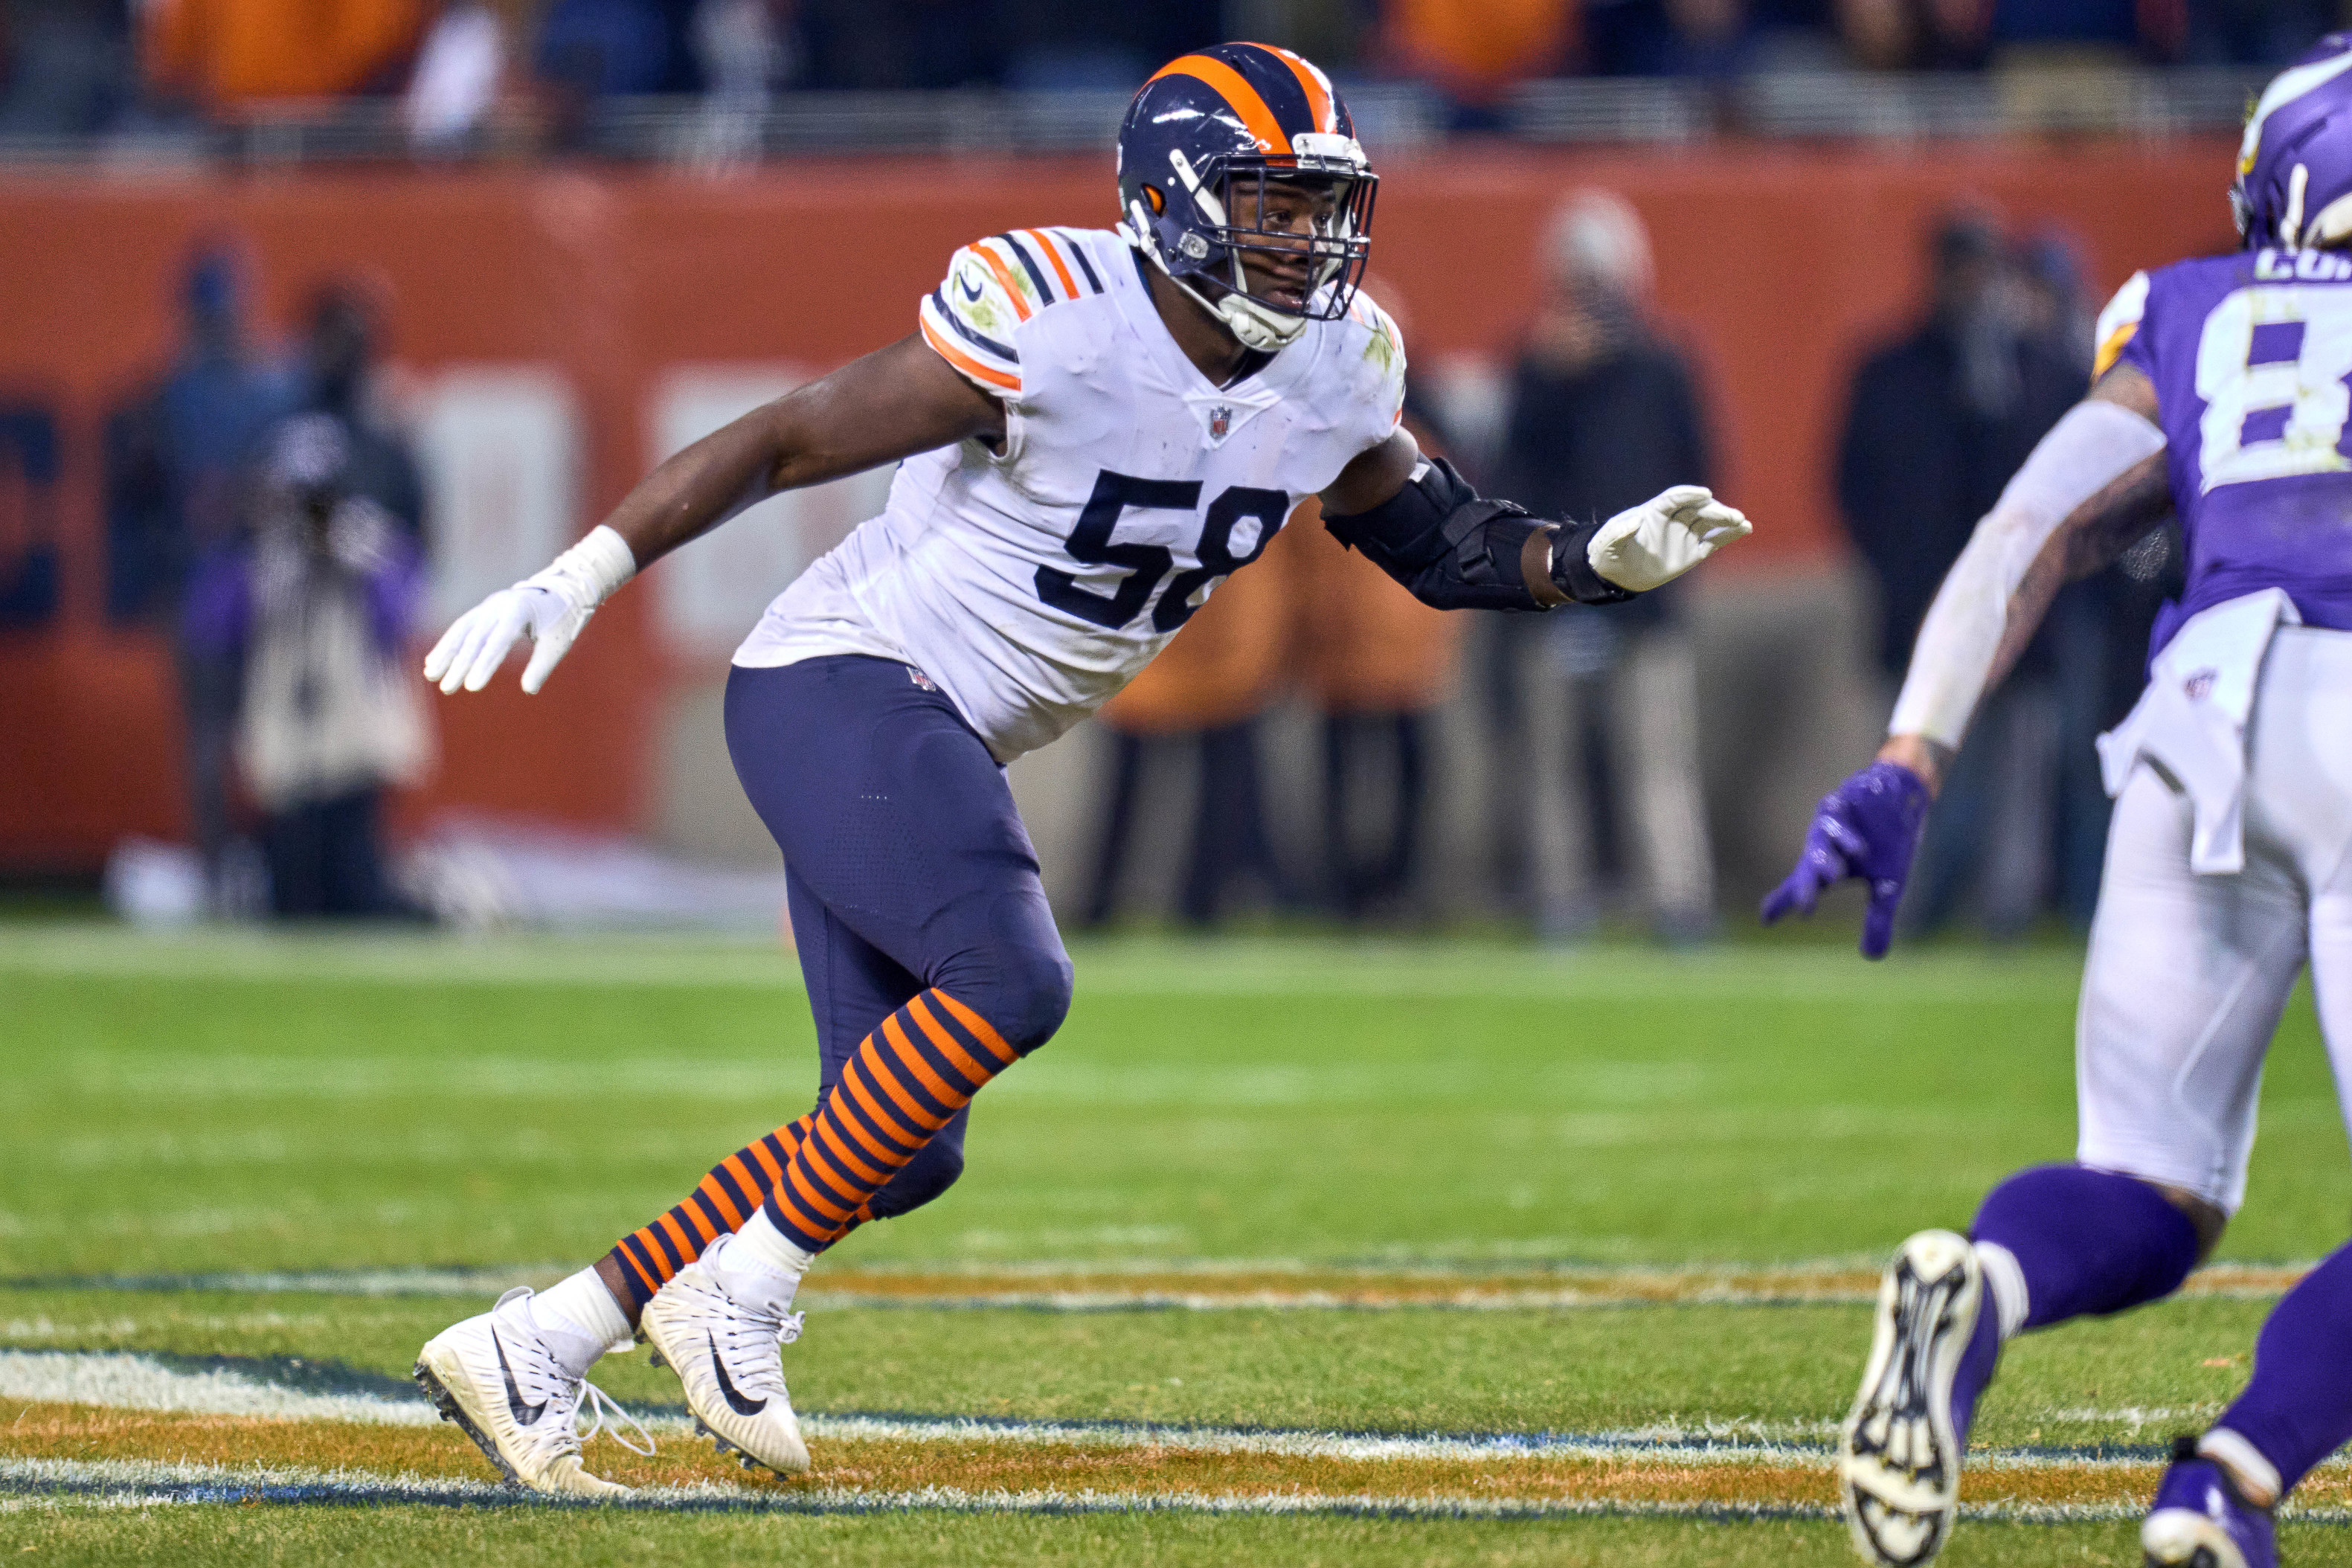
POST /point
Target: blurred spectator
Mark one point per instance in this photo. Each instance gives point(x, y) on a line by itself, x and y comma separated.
point(1935, 425)
point(174, 457)
point(1376, 662)
point(337, 375)
point(227, 55)
point(64, 66)
point(591, 50)
point(1475, 49)
point(1665, 38)
point(1604, 414)
point(456, 84)
point(307, 619)
point(882, 44)
point(1202, 695)
point(2255, 32)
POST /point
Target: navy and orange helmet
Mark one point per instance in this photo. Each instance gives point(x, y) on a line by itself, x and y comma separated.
point(1212, 141)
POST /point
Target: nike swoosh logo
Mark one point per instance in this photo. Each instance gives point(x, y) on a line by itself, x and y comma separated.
point(524, 1415)
point(741, 1406)
point(970, 289)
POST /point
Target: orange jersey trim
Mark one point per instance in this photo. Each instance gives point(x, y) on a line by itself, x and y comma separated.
point(1005, 275)
point(965, 363)
point(1235, 88)
point(1069, 284)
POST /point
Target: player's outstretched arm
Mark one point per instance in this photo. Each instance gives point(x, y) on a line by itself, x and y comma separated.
point(890, 405)
point(2094, 485)
point(1423, 524)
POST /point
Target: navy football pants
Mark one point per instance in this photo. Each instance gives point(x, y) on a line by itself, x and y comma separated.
point(907, 867)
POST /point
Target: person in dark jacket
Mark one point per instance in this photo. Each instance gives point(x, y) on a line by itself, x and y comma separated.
point(1603, 412)
point(1937, 423)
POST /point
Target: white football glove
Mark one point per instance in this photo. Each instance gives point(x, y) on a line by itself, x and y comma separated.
point(548, 607)
point(1655, 542)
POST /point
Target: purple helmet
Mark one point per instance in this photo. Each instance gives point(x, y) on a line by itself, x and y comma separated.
point(2295, 167)
point(1233, 119)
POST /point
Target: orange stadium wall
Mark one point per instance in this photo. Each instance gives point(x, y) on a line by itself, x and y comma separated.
point(1776, 264)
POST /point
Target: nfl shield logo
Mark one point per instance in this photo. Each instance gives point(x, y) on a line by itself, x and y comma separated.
point(1221, 419)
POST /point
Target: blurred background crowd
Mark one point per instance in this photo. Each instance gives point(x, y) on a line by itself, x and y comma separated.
point(460, 74)
point(266, 513)
point(326, 316)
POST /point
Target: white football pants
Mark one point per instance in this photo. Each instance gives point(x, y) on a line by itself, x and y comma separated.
point(2187, 974)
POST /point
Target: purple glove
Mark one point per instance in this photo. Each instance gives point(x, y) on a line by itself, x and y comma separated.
point(1868, 828)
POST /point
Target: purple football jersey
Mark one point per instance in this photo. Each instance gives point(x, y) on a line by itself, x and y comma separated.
point(2251, 358)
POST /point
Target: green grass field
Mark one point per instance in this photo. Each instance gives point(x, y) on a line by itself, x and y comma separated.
point(1251, 1186)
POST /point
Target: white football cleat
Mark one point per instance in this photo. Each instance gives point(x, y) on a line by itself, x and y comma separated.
point(723, 1333)
point(1899, 1457)
point(500, 1379)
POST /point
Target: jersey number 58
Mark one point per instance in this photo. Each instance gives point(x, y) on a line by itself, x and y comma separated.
point(1091, 544)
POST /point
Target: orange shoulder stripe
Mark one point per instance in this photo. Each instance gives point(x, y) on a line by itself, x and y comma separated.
point(966, 364)
point(1235, 88)
point(1069, 284)
point(1005, 275)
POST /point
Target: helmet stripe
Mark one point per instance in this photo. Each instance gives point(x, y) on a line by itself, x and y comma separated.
point(1311, 81)
point(1235, 88)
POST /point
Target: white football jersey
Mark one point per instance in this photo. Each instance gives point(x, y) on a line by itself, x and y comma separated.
point(1031, 584)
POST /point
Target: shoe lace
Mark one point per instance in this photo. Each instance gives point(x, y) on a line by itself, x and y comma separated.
point(603, 1405)
point(561, 1434)
point(757, 1334)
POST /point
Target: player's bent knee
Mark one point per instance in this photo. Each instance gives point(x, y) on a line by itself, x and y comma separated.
point(931, 1172)
point(1029, 995)
point(1014, 974)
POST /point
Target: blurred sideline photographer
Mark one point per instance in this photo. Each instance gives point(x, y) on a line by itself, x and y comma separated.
point(1601, 410)
point(306, 618)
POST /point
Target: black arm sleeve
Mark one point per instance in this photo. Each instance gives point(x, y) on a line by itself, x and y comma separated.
point(1454, 549)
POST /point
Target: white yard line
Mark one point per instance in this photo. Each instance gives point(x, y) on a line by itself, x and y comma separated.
point(140, 1482)
point(128, 1381)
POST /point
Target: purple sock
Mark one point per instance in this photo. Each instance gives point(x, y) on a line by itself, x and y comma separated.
point(1976, 1369)
point(2298, 1408)
point(2088, 1242)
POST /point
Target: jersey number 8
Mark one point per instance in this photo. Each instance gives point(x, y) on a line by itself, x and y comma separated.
point(2283, 413)
point(1147, 564)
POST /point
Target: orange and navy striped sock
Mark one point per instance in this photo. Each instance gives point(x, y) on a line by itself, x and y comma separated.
point(724, 1199)
point(903, 1083)
point(899, 1087)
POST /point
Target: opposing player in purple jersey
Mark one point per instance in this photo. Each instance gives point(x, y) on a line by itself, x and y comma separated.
point(2224, 394)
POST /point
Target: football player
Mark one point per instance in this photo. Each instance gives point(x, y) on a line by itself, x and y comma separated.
point(2221, 397)
point(1094, 427)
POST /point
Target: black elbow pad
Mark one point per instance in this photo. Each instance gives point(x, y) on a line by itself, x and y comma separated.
point(1439, 537)
point(1458, 550)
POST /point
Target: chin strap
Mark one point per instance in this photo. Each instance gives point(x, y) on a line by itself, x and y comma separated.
point(1254, 325)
